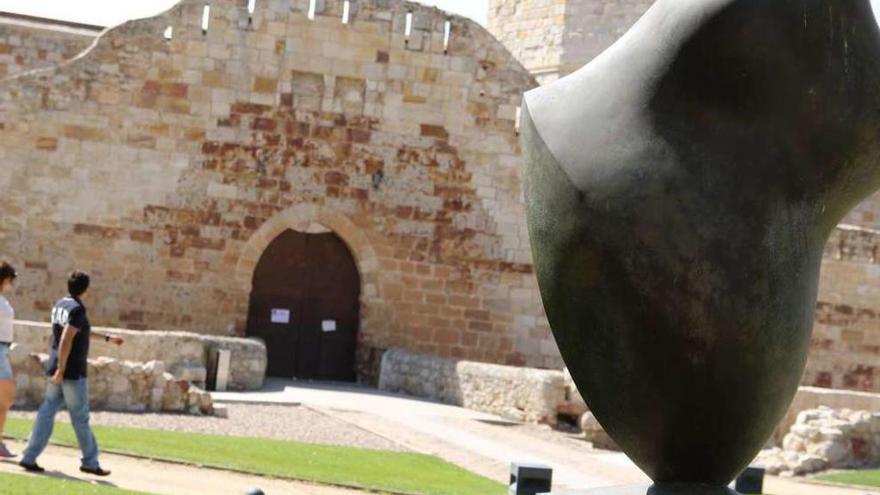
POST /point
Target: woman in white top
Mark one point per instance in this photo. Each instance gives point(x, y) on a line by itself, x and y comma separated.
point(7, 381)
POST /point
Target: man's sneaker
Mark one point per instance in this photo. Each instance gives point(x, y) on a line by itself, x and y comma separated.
point(4, 452)
point(95, 471)
point(31, 467)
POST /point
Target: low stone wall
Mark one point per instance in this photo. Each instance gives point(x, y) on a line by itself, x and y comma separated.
point(826, 438)
point(113, 385)
point(186, 355)
point(808, 398)
point(521, 394)
point(595, 434)
point(533, 395)
point(574, 406)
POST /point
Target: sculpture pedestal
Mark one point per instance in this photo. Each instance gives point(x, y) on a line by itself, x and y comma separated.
point(653, 490)
point(616, 490)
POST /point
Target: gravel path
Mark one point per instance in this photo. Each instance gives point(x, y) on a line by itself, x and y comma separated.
point(300, 424)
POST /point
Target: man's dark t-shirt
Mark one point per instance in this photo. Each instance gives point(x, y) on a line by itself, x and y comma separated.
point(70, 311)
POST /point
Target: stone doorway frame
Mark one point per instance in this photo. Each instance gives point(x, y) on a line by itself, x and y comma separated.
point(311, 219)
point(314, 219)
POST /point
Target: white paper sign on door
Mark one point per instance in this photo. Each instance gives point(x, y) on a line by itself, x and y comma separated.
point(328, 325)
point(280, 315)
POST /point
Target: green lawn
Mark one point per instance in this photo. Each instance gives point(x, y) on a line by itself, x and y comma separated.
point(394, 472)
point(865, 477)
point(16, 484)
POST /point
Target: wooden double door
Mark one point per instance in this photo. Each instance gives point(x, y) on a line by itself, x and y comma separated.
point(305, 305)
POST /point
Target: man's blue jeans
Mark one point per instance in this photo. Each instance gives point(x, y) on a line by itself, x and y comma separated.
point(75, 394)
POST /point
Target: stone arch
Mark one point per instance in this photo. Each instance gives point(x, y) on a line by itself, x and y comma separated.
point(313, 219)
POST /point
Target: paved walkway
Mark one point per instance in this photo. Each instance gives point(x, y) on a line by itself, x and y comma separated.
point(482, 443)
point(164, 478)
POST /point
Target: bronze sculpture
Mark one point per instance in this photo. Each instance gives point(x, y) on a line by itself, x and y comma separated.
point(680, 190)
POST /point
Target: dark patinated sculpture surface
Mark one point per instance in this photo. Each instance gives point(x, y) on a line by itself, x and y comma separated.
point(642, 490)
point(680, 190)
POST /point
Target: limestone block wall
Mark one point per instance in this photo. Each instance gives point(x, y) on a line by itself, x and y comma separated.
point(28, 43)
point(520, 394)
point(166, 166)
point(845, 351)
point(114, 385)
point(185, 355)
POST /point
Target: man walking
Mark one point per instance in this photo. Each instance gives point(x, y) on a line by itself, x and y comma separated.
point(68, 364)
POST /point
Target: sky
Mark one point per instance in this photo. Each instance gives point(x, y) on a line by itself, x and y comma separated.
point(112, 12)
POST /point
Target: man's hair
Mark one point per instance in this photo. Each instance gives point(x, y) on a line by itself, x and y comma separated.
point(78, 283)
point(7, 272)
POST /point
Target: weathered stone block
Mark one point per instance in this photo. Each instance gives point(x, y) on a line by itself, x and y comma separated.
point(516, 393)
point(265, 85)
point(826, 438)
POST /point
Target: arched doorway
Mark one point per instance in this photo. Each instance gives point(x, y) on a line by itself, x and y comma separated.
point(305, 304)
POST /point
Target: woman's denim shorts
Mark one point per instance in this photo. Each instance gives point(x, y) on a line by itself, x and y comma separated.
point(5, 365)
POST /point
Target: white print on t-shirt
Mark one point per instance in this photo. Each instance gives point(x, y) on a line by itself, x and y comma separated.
point(60, 316)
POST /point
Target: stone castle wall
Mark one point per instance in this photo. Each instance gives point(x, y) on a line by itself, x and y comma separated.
point(28, 44)
point(166, 166)
point(845, 350)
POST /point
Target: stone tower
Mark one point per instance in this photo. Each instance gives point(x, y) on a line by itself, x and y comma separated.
point(553, 38)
